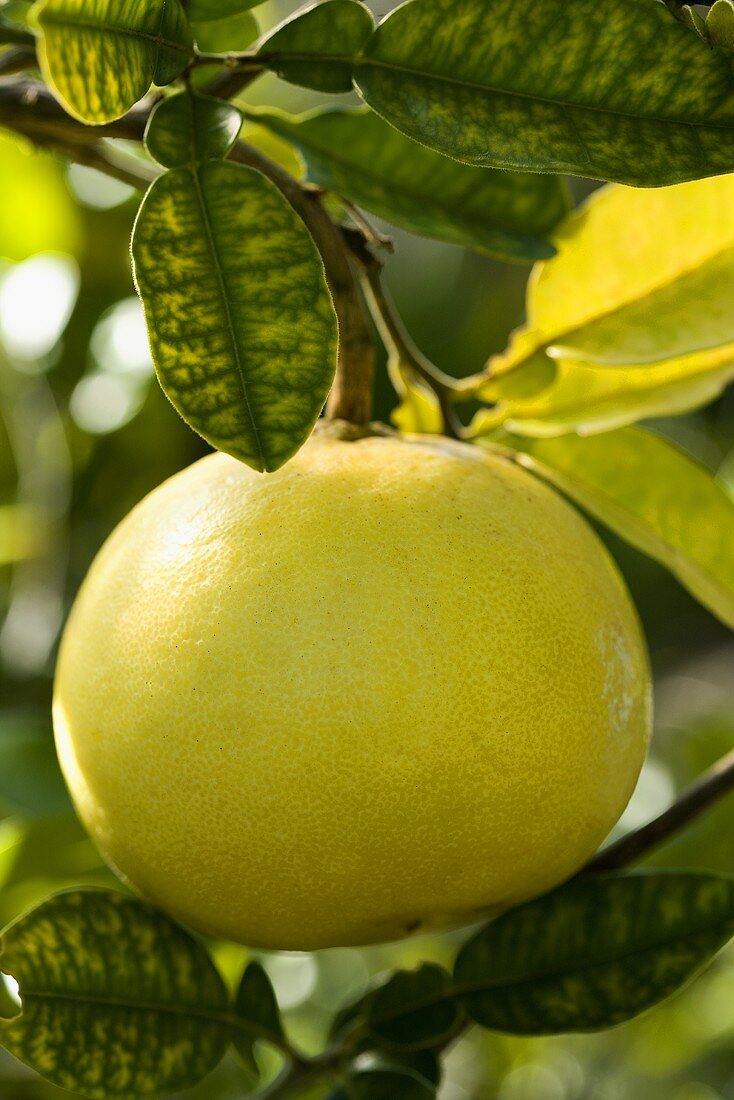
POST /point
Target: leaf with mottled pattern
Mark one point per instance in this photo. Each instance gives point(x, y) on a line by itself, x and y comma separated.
point(100, 56)
point(356, 154)
point(317, 46)
point(118, 1002)
point(189, 128)
point(241, 324)
point(594, 952)
point(602, 88)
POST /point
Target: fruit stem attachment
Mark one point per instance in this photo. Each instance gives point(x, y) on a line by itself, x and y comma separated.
point(704, 793)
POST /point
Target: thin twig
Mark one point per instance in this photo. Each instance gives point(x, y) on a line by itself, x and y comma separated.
point(231, 81)
point(700, 796)
point(371, 235)
point(400, 345)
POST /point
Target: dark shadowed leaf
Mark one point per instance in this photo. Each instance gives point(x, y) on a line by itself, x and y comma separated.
point(611, 90)
point(383, 1084)
point(241, 324)
point(415, 1009)
point(356, 154)
point(258, 1013)
point(654, 495)
point(228, 35)
point(118, 1001)
point(595, 952)
point(189, 128)
point(317, 46)
point(100, 57)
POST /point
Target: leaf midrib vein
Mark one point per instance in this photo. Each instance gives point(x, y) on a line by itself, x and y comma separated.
point(558, 103)
point(228, 313)
point(461, 990)
point(228, 1019)
point(125, 32)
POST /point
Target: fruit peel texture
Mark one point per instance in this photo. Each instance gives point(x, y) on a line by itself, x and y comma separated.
point(392, 685)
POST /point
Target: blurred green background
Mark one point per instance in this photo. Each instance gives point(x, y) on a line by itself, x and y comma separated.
point(85, 432)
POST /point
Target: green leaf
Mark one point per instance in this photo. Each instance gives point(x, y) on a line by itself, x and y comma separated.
point(356, 154)
point(690, 18)
point(653, 495)
point(242, 327)
point(100, 56)
point(316, 48)
point(595, 952)
point(228, 35)
point(382, 1084)
point(599, 88)
point(189, 128)
point(425, 1063)
point(118, 1001)
point(414, 1009)
point(210, 11)
point(720, 24)
point(258, 1012)
point(30, 779)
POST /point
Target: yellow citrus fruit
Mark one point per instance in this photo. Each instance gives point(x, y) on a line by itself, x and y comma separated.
point(389, 687)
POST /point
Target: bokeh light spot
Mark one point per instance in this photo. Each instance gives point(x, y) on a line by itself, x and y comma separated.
point(36, 301)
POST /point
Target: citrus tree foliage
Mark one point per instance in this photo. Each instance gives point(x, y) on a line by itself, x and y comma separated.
point(249, 276)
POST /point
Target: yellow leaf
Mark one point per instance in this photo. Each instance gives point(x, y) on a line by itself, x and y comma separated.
point(595, 399)
point(634, 310)
point(639, 275)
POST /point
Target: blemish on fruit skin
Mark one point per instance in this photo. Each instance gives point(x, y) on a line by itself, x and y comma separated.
point(296, 741)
